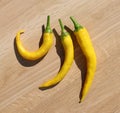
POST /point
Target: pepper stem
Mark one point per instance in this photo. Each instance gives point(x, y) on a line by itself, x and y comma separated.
point(48, 28)
point(63, 31)
point(76, 24)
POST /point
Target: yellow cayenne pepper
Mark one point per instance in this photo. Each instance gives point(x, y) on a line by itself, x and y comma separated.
point(69, 56)
point(44, 48)
point(85, 43)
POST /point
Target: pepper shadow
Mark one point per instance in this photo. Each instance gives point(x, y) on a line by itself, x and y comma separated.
point(79, 57)
point(46, 88)
point(41, 38)
point(21, 60)
point(59, 47)
point(60, 52)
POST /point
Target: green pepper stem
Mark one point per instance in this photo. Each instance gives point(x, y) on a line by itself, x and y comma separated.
point(63, 31)
point(76, 24)
point(48, 28)
point(62, 26)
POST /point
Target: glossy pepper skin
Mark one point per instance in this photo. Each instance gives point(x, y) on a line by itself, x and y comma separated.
point(85, 43)
point(44, 48)
point(69, 56)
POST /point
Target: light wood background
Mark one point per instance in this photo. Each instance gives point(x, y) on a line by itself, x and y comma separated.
point(19, 79)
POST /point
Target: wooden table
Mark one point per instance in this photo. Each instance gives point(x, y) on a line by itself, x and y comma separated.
point(19, 79)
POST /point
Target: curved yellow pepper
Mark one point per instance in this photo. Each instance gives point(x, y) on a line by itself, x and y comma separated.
point(69, 56)
point(85, 43)
point(46, 44)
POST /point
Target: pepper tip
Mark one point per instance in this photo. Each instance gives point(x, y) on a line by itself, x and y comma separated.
point(20, 32)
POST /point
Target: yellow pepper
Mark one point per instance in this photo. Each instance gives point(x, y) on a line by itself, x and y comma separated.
point(85, 43)
point(69, 56)
point(46, 44)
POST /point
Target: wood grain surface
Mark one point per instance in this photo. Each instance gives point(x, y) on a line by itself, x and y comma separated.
point(19, 79)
